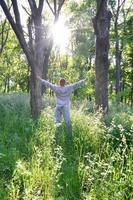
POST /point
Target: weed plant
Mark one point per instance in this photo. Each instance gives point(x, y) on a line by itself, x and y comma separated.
point(93, 161)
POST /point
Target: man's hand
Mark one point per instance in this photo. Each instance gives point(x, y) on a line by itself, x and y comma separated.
point(86, 79)
point(38, 77)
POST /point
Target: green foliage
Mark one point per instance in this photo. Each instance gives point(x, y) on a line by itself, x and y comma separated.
point(79, 60)
point(15, 130)
point(13, 67)
point(94, 163)
point(38, 161)
point(83, 44)
point(121, 31)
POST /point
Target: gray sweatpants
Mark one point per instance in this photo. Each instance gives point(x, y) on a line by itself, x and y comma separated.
point(62, 111)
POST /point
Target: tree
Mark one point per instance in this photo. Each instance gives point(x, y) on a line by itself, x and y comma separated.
point(82, 42)
point(116, 8)
point(4, 31)
point(36, 48)
point(121, 11)
point(127, 72)
point(101, 23)
point(13, 67)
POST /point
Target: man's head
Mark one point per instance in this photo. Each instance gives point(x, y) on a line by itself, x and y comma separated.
point(62, 82)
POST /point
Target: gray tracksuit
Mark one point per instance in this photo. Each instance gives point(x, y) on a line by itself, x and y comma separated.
point(63, 94)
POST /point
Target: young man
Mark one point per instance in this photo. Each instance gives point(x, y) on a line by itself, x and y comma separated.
point(63, 93)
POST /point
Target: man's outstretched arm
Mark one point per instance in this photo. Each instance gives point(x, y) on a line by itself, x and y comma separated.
point(47, 83)
point(78, 84)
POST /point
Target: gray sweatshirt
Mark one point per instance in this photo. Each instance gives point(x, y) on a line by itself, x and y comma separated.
point(63, 93)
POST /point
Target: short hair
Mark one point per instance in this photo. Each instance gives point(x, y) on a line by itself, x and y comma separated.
point(62, 80)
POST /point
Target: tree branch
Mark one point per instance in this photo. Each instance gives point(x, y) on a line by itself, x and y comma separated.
point(26, 11)
point(17, 31)
point(99, 8)
point(50, 7)
point(7, 14)
point(40, 7)
point(128, 10)
point(60, 5)
point(122, 3)
point(33, 7)
point(57, 10)
point(55, 7)
point(16, 13)
point(30, 21)
point(113, 11)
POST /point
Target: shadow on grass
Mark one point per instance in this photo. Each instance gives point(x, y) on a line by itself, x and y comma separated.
point(69, 181)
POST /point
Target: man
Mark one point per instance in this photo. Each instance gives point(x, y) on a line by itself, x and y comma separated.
point(63, 93)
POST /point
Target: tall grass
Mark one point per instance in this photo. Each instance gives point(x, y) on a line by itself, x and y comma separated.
point(40, 162)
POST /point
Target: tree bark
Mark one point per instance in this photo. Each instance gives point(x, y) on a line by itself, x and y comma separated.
point(101, 24)
point(36, 50)
point(118, 63)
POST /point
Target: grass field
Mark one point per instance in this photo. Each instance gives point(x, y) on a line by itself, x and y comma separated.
point(40, 162)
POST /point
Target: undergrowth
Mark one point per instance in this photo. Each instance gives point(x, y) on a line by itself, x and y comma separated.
point(93, 161)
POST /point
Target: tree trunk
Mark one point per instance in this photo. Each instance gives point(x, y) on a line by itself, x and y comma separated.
point(131, 93)
point(45, 64)
point(36, 49)
point(35, 95)
point(4, 86)
point(118, 72)
point(119, 43)
point(4, 32)
point(118, 53)
point(122, 88)
point(101, 24)
point(8, 84)
point(118, 67)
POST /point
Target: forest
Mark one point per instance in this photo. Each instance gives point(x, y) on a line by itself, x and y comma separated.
point(70, 40)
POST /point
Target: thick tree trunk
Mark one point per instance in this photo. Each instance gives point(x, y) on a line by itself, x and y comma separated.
point(101, 25)
point(36, 49)
point(35, 95)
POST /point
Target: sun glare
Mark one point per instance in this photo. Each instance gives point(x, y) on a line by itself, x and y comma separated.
point(61, 35)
